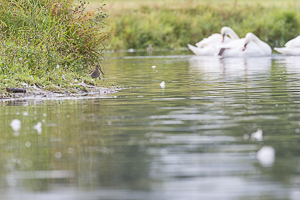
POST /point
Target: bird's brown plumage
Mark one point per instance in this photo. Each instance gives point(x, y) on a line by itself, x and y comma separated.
point(95, 73)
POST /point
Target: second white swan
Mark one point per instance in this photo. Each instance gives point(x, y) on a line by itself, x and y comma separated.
point(292, 47)
point(250, 46)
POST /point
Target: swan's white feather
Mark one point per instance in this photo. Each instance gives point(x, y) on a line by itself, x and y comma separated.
point(288, 51)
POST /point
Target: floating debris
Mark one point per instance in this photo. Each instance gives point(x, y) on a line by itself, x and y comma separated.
point(162, 84)
point(38, 127)
point(266, 156)
point(15, 124)
point(258, 135)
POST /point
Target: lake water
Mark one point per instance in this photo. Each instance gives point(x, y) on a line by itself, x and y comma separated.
point(216, 129)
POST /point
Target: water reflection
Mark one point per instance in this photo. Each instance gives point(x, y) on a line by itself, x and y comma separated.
point(230, 66)
point(291, 63)
point(208, 134)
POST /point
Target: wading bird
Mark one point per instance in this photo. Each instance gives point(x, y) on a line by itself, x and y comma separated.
point(96, 72)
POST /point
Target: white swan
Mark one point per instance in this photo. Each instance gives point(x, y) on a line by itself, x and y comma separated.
point(292, 47)
point(250, 46)
point(209, 46)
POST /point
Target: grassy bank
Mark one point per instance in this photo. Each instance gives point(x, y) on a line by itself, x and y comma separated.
point(167, 24)
point(50, 44)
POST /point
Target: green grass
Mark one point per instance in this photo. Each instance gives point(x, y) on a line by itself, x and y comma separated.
point(166, 23)
point(38, 36)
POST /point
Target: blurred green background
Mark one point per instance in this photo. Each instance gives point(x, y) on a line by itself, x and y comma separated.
point(173, 24)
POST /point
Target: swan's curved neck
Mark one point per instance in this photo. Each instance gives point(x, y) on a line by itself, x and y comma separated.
point(255, 39)
point(232, 34)
point(262, 45)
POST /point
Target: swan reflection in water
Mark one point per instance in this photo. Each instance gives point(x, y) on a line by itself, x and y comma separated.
point(291, 63)
point(211, 67)
point(289, 72)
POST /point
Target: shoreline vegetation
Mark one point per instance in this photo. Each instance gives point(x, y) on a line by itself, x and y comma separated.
point(50, 46)
point(167, 24)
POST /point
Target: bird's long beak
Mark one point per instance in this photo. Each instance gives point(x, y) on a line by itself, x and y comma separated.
point(245, 47)
point(99, 68)
point(223, 38)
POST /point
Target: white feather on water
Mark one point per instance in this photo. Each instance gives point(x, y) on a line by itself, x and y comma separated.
point(38, 127)
point(15, 124)
point(258, 135)
point(266, 156)
point(162, 84)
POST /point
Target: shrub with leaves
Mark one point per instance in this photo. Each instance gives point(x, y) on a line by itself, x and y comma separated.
point(36, 36)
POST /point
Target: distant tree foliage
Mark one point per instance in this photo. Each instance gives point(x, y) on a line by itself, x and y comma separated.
point(176, 24)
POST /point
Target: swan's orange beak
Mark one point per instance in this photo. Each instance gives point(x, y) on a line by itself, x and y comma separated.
point(223, 38)
point(245, 47)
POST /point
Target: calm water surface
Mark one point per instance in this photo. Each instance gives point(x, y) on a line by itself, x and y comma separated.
point(189, 139)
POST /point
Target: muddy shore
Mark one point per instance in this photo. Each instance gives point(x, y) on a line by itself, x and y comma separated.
point(38, 93)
